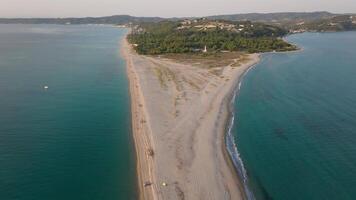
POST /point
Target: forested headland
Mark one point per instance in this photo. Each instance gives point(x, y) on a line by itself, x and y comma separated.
point(203, 35)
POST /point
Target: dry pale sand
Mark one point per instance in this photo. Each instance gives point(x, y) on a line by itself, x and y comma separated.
point(180, 112)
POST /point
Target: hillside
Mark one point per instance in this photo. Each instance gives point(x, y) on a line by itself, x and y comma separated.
point(336, 23)
point(276, 17)
point(299, 21)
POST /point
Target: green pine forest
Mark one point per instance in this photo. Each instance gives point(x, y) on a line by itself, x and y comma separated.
point(167, 37)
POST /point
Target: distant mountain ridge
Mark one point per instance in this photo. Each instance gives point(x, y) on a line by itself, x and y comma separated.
point(280, 16)
point(297, 22)
point(125, 19)
point(292, 21)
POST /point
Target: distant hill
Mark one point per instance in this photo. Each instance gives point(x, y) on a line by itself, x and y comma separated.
point(336, 23)
point(276, 17)
point(125, 19)
point(293, 21)
point(299, 21)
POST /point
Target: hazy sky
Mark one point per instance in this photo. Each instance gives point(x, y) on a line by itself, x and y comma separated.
point(164, 8)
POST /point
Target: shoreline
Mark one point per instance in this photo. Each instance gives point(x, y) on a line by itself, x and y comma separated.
point(228, 182)
point(230, 144)
point(233, 154)
point(226, 137)
point(142, 169)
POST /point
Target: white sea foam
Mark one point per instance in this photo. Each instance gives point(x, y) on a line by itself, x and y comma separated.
point(232, 148)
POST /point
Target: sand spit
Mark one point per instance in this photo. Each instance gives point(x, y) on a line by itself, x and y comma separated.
point(179, 117)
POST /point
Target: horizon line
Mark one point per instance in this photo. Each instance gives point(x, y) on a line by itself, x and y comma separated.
point(112, 15)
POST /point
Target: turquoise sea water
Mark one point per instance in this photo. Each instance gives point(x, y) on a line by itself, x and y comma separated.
point(71, 141)
point(295, 124)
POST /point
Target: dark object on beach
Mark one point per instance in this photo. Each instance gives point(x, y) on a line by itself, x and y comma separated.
point(150, 152)
point(147, 183)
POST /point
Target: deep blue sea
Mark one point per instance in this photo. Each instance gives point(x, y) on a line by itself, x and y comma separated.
point(72, 140)
point(295, 124)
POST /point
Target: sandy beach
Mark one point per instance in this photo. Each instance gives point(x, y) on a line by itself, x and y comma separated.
point(179, 117)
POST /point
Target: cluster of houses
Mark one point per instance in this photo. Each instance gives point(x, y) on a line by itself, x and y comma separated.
point(136, 29)
point(203, 24)
point(123, 26)
point(353, 19)
point(298, 31)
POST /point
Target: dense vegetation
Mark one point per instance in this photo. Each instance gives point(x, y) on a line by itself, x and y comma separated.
point(166, 37)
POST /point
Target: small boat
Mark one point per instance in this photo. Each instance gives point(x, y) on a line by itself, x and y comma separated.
point(45, 87)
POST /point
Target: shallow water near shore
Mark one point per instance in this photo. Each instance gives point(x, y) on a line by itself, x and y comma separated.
point(295, 122)
point(72, 140)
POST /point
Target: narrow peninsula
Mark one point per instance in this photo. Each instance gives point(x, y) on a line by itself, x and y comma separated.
point(182, 77)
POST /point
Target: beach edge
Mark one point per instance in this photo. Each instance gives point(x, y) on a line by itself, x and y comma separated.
point(143, 162)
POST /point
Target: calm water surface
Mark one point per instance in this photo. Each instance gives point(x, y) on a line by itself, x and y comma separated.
point(296, 120)
point(71, 141)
